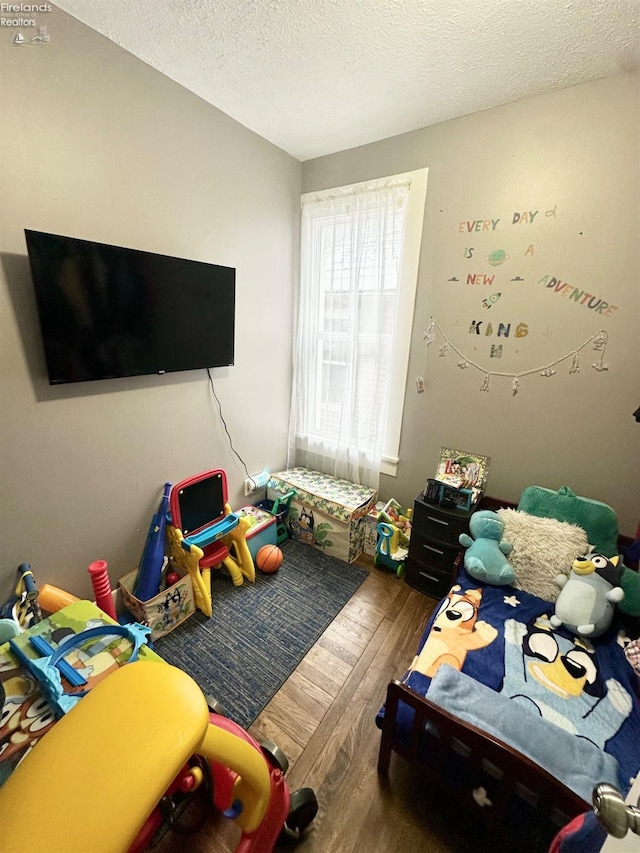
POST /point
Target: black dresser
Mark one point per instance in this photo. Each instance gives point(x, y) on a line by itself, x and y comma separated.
point(434, 546)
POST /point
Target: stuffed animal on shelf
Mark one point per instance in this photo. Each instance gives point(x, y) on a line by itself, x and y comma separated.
point(485, 558)
point(588, 596)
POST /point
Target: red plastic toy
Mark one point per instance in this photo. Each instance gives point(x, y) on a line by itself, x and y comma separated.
point(288, 813)
point(102, 588)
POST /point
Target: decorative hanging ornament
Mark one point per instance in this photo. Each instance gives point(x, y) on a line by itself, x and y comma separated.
point(429, 335)
point(600, 345)
point(601, 341)
point(598, 340)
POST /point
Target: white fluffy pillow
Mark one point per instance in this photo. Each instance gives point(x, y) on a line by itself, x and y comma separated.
point(542, 549)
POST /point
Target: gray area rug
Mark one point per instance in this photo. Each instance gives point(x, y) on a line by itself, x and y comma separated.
point(259, 632)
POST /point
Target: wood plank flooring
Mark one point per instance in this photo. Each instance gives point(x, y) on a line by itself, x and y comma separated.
point(323, 719)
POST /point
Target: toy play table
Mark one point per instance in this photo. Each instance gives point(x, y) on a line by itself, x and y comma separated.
point(26, 715)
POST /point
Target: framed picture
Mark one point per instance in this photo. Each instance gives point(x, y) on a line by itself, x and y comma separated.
point(460, 469)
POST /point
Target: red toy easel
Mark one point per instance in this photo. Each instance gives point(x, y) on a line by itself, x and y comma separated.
point(204, 533)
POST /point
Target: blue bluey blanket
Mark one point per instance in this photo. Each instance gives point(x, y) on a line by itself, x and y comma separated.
point(576, 762)
point(502, 638)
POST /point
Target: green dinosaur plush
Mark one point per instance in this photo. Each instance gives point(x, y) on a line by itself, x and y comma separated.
point(485, 558)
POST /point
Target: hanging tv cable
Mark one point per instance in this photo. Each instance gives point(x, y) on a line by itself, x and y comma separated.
point(249, 477)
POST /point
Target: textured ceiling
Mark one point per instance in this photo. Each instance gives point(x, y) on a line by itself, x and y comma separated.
point(319, 76)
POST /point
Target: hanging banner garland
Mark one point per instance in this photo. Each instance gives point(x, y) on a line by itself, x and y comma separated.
point(599, 341)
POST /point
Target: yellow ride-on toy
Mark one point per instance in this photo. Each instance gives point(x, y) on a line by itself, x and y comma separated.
point(124, 762)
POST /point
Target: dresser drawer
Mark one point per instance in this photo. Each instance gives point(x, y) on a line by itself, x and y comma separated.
point(440, 525)
point(434, 547)
point(426, 580)
point(427, 551)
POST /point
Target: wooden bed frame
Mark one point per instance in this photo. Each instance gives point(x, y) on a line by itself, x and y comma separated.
point(555, 804)
point(516, 769)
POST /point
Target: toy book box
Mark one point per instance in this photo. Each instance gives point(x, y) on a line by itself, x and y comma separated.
point(164, 611)
point(262, 530)
point(326, 512)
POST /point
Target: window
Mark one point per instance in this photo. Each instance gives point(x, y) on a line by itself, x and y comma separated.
point(359, 259)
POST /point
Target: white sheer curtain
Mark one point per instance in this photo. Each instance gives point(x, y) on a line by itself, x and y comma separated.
point(351, 253)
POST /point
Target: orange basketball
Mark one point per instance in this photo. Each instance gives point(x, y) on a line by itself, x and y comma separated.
point(269, 558)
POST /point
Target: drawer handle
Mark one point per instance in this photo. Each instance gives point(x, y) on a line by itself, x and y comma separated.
point(430, 577)
point(438, 520)
point(435, 550)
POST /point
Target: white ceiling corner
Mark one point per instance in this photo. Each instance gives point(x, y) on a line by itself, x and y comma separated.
point(319, 76)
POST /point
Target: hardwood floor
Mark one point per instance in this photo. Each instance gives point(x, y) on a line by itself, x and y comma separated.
point(323, 718)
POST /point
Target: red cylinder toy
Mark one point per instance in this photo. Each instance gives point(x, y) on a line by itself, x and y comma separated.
point(102, 588)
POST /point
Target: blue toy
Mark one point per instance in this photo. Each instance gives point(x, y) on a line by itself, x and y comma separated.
point(150, 571)
point(23, 607)
point(388, 552)
point(47, 670)
point(485, 559)
point(588, 596)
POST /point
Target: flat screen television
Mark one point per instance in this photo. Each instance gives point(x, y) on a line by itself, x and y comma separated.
point(108, 311)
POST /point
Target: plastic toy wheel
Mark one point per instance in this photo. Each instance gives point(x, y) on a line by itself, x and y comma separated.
point(176, 810)
point(375, 560)
point(275, 755)
point(303, 808)
point(214, 706)
point(400, 571)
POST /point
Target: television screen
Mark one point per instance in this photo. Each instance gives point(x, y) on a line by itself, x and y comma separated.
point(107, 311)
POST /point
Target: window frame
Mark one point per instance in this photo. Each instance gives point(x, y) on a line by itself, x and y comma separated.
point(408, 285)
point(406, 289)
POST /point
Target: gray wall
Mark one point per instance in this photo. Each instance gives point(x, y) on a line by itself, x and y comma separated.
point(575, 152)
point(97, 145)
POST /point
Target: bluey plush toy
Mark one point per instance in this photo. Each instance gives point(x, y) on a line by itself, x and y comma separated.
point(588, 596)
point(485, 558)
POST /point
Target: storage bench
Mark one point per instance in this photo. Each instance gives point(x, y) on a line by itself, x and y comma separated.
point(326, 512)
